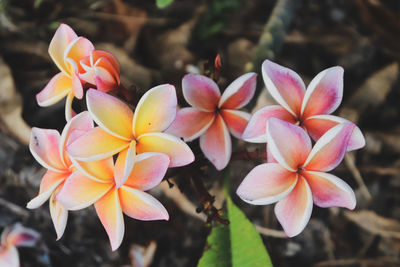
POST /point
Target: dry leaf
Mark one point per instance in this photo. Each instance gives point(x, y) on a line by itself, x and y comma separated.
point(372, 93)
point(375, 224)
point(142, 256)
point(11, 106)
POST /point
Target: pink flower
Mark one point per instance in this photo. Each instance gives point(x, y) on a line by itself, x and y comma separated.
point(295, 175)
point(66, 49)
point(13, 237)
point(212, 115)
point(110, 201)
point(101, 69)
point(48, 148)
point(308, 108)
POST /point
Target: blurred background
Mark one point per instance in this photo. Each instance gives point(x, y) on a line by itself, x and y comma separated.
point(160, 42)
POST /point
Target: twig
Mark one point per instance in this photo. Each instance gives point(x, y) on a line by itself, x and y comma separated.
point(206, 199)
point(14, 208)
point(381, 261)
point(182, 201)
point(270, 232)
point(350, 163)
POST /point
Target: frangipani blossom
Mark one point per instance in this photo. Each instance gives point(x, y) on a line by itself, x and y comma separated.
point(48, 148)
point(295, 175)
point(66, 49)
point(308, 108)
point(212, 115)
point(121, 130)
point(111, 201)
point(101, 69)
point(13, 237)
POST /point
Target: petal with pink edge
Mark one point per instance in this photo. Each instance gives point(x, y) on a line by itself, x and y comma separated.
point(61, 39)
point(109, 210)
point(285, 86)
point(77, 50)
point(20, 236)
point(179, 152)
point(235, 120)
point(149, 170)
point(81, 122)
point(9, 257)
point(239, 93)
point(289, 144)
point(101, 170)
point(329, 150)
point(124, 164)
point(255, 132)
point(216, 144)
point(200, 92)
point(329, 190)
point(156, 110)
point(191, 123)
point(324, 93)
point(57, 88)
point(319, 124)
point(104, 80)
point(82, 149)
point(80, 191)
point(110, 113)
point(294, 211)
point(266, 183)
point(98, 54)
point(50, 181)
point(102, 84)
point(44, 145)
point(105, 69)
point(141, 205)
point(59, 216)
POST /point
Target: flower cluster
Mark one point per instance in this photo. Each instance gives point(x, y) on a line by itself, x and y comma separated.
point(80, 162)
point(294, 175)
point(110, 155)
point(80, 65)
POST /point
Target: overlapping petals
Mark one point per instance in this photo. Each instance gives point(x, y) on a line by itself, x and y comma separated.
point(122, 131)
point(48, 148)
point(310, 108)
point(13, 237)
point(101, 69)
point(111, 201)
point(296, 177)
point(213, 116)
point(66, 49)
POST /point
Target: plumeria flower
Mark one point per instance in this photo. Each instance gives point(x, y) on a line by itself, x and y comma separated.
point(111, 201)
point(119, 130)
point(101, 69)
point(48, 148)
point(212, 115)
point(66, 49)
point(308, 108)
point(295, 175)
point(13, 237)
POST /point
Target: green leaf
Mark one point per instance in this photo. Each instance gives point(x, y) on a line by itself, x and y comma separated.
point(217, 251)
point(238, 244)
point(163, 3)
point(247, 247)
